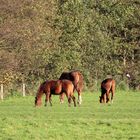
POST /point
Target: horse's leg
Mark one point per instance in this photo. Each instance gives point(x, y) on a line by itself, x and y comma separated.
point(112, 94)
point(107, 96)
point(79, 97)
point(74, 100)
point(103, 92)
point(47, 98)
point(69, 99)
point(50, 100)
point(62, 98)
point(104, 98)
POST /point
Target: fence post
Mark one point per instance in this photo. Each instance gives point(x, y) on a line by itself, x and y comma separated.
point(23, 89)
point(1, 91)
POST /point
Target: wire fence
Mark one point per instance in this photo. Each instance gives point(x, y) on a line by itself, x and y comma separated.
point(22, 89)
point(30, 88)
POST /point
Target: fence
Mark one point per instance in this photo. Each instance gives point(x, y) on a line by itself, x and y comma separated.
point(30, 88)
point(2, 91)
point(22, 89)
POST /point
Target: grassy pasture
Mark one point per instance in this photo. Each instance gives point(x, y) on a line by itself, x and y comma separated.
point(20, 120)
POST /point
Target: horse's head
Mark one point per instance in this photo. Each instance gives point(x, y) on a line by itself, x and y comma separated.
point(37, 101)
point(39, 94)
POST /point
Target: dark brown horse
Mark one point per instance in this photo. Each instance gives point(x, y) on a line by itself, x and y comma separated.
point(77, 79)
point(57, 87)
point(107, 86)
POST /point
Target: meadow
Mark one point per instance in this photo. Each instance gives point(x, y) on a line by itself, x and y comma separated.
point(20, 120)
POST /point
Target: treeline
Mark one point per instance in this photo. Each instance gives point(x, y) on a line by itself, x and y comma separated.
point(41, 39)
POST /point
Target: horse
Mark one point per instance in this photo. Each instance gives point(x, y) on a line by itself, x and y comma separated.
point(77, 79)
point(55, 87)
point(107, 86)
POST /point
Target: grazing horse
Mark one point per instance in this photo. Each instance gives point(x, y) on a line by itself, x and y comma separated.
point(107, 86)
point(57, 87)
point(77, 79)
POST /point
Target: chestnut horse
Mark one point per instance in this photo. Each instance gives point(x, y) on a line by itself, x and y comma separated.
point(57, 87)
point(77, 79)
point(107, 86)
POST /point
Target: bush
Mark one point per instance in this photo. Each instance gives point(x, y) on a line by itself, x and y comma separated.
point(123, 86)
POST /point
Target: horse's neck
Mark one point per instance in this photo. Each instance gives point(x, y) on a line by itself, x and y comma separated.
point(39, 93)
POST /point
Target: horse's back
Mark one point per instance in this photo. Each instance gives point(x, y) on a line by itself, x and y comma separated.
point(67, 76)
point(56, 86)
point(107, 84)
point(67, 86)
point(75, 76)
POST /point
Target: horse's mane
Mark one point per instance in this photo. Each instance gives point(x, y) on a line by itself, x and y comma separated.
point(41, 89)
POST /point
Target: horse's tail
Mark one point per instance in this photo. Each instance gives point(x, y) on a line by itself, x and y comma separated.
point(81, 82)
point(79, 87)
point(78, 82)
point(112, 89)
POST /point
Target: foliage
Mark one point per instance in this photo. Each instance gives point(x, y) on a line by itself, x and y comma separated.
point(41, 39)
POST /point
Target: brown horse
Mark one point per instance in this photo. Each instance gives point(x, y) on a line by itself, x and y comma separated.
point(57, 87)
point(77, 79)
point(107, 86)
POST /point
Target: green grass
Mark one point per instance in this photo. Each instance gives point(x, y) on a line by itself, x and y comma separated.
point(20, 120)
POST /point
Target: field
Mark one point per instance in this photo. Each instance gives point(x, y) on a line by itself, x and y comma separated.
point(20, 120)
